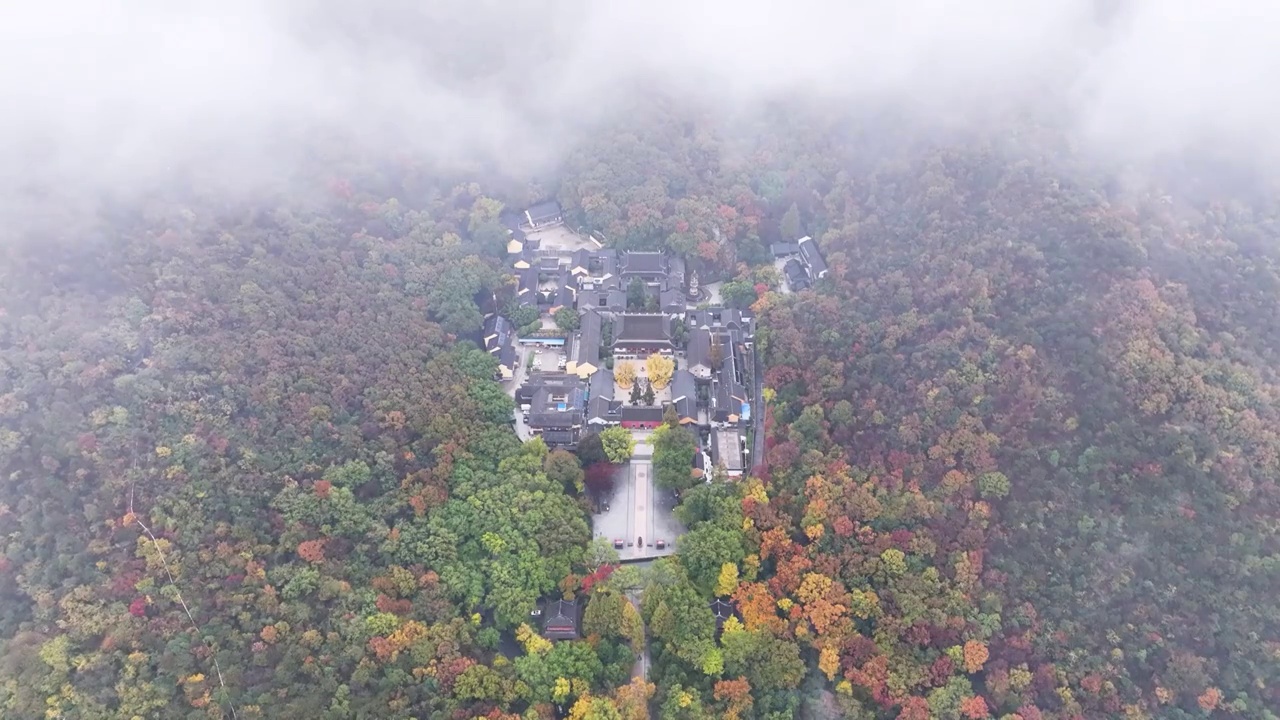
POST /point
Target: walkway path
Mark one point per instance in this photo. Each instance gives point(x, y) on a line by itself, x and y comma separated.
point(641, 667)
point(640, 524)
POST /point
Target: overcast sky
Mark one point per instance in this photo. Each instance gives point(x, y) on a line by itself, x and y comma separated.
point(113, 92)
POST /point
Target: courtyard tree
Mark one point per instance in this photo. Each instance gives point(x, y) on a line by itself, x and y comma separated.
point(649, 397)
point(618, 444)
point(715, 356)
point(624, 374)
point(636, 294)
point(660, 369)
point(738, 294)
point(679, 332)
point(525, 318)
point(567, 319)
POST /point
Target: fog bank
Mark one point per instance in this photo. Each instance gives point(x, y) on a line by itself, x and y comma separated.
point(115, 95)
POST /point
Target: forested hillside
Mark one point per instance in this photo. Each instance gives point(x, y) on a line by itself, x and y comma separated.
point(1022, 455)
point(1020, 417)
point(1022, 452)
point(263, 426)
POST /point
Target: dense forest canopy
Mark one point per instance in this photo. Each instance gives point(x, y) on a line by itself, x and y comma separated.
point(1022, 441)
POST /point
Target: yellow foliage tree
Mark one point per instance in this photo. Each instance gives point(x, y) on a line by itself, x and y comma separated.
point(624, 374)
point(633, 627)
point(728, 581)
point(532, 642)
point(829, 662)
point(713, 663)
point(560, 692)
point(813, 586)
point(864, 603)
point(412, 631)
point(732, 625)
point(594, 708)
point(633, 699)
point(660, 369)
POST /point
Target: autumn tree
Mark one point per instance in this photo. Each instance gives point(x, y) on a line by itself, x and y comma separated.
point(599, 479)
point(660, 369)
point(624, 374)
point(975, 656)
point(727, 583)
point(311, 550)
point(594, 708)
point(736, 696)
point(633, 698)
point(715, 355)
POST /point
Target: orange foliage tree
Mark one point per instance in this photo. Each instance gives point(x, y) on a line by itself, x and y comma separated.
point(311, 550)
point(975, 708)
point(736, 694)
point(975, 655)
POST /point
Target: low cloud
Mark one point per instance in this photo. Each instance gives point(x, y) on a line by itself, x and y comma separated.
point(113, 95)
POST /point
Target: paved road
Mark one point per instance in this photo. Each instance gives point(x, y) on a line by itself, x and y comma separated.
point(784, 287)
point(511, 386)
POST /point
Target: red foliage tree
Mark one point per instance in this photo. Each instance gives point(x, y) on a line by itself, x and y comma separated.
point(599, 479)
point(914, 709)
point(601, 574)
point(941, 670)
point(311, 550)
point(1030, 712)
point(390, 605)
